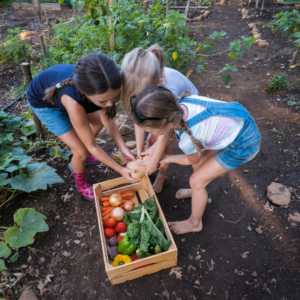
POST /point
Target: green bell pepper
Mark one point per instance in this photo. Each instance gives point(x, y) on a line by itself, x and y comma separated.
point(125, 247)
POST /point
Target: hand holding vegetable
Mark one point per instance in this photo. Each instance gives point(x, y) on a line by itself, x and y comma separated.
point(126, 173)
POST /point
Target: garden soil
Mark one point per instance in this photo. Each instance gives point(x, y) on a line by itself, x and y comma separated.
point(233, 261)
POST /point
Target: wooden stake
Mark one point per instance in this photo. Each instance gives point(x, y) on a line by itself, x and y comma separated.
point(266, 52)
point(262, 7)
point(167, 7)
point(187, 8)
point(46, 15)
point(43, 49)
point(112, 36)
point(256, 5)
point(145, 5)
point(27, 77)
point(295, 56)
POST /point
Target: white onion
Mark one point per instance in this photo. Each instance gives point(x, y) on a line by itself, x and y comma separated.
point(128, 206)
point(118, 213)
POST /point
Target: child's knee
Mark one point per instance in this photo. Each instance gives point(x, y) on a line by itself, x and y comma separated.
point(81, 154)
point(196, 182)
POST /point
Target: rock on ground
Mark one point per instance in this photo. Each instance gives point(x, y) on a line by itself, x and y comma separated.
point(125, 129)
point(28, 295)
point(130, 144)
point(278, 194)
point(258, 230)
point(119, 158)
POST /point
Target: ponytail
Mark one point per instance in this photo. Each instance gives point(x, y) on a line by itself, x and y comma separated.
point(50, 93)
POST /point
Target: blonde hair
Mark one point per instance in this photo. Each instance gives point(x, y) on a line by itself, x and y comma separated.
point(141, 69)
point(159, 102)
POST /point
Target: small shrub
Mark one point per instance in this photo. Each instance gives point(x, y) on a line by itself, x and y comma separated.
point(12, 49)
point(277, 83)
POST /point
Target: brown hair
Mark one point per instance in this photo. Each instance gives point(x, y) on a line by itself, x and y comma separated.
point(159, 102)
point(95, 73)
point(141, 69)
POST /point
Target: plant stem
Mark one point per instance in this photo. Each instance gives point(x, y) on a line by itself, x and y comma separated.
point(4, 228)
point(10, 198)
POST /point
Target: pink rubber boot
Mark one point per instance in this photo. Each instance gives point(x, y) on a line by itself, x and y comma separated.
point(82, 186)
point(91, 160)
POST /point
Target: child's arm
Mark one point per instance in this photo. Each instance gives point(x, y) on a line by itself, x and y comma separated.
point(112, 129)
point(181, 159)
point(139, 137)
point(82, 127)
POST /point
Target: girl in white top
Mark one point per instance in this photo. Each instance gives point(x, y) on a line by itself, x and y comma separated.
point(141, 69)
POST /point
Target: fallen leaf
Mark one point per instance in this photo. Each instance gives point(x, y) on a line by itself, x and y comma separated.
point(210, 291)
point(66, 196)
point(211, 265)
point(249, 227)
point(177, 272)
point(198, 257)
point(166, 294)
point(92, 228)
point(65, 253)
point(240, 273)
point(292, 67)
point(245, 254)
point(24, 266)
point(191, 257)
point(221, 216)
point(197, 282)
point(191, 267)
point(49, 276)
point(246, 171)
point(254, 274)
point(77, 242)
point(58, 218)
point(42, 260)
point(42, 287)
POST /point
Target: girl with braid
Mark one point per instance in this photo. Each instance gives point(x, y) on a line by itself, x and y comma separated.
point(215, 136)
point(75, 102)
point(141, 69)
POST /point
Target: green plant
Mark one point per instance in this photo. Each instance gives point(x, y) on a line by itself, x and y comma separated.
point(272, 27)
point(12, 48)
point(60, 153)
point(289, 22)
point(5, 3)
point(293, 103)
point(16, 174)
point(29, 222)
point(277, 83)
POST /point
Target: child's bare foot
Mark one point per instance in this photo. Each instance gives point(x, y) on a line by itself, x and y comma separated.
point(183, 193)
point(185, 226)
point(159, 182)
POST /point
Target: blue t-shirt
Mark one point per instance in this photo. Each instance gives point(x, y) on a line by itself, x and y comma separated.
point(49, 78)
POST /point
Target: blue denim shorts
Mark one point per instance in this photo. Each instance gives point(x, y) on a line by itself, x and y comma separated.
point(56, 120)
point(243, 149)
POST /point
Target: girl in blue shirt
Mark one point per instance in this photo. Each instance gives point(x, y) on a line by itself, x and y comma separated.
point(75, 102)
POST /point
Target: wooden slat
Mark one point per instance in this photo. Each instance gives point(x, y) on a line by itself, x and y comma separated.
point(144, 271)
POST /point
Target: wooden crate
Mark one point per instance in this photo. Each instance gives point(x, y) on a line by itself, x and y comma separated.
point(159, 261)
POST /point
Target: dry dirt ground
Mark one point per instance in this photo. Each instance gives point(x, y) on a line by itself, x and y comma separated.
point(271, 269)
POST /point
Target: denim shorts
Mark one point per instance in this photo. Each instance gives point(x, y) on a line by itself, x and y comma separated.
point(56, 120)
point(243, 149)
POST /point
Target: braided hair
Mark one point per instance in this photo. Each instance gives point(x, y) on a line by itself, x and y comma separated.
point(94, 74)
point(159, 102)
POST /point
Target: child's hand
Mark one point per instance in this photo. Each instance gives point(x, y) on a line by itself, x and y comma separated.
point(126, 173)
point(164, 160)
point(127, 154)
point(150, 167)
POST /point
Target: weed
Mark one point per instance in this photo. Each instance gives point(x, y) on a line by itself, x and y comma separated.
point(277, 83)
point(268, 122)
point(273, 28)
point(293, 103)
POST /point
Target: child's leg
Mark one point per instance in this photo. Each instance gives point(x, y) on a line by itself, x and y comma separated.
point(80, 153)
point(209, 171)
point(95, 122)
point(205, 156)
point(161, 176)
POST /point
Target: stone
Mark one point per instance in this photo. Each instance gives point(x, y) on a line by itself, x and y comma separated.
point(134, 151)
point(119, 158)
point(205, 15)
point(130, 144)
point(258, 230)
point(291, 189)
point(251, 25)
point(278, 194)
point(257, 36)
point(262, 43)
point(222, 2)
point(28, 295)
point(125, 129)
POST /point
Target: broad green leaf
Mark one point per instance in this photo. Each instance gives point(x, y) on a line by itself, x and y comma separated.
point(120, 40)
point(175, 55)
point(226, 78)
point(3, 180)
point(81, 5)
point(60, 153)
point(202, 58)
point(2, 267)
point(14, 258)
point(207, 48)
point(23, 163)
point(39, 175)
point(297, 34)
point(4, 250)
point(3, 114)
point(61, 1)
point(200, 69)
point(12, 168)
point(233, 55)
point(18, 238)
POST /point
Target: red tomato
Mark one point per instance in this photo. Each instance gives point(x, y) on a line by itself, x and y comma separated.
point(109, 232)
point(110, 223)
point(121, 227)
point(119, 238)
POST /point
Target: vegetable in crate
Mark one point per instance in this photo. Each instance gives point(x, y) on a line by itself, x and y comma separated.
point(121, 227)
point(145, 229)
point(115, 200)
point(125, 246)
point(118, 213)
point(109, 232)
point(136, 259)
point(120, 260)
point(112, 252)
point(110, 223)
